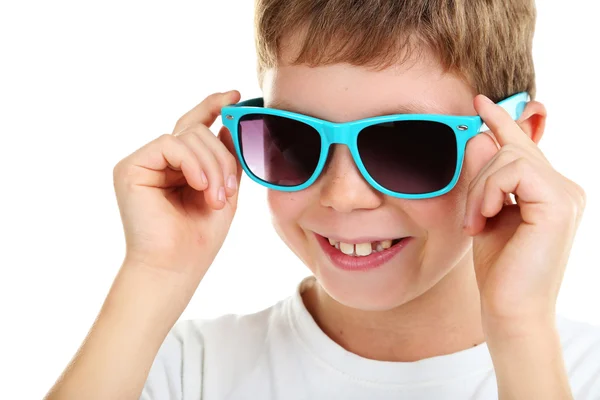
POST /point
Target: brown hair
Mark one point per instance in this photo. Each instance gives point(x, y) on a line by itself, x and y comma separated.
point(486, 42)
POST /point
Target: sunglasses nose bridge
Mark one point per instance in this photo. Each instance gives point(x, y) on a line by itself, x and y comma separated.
point(337, 133)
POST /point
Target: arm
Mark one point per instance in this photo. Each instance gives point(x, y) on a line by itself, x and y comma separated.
point(175, 221)
point(528, 362)
point(115, 358)
point(521, 249)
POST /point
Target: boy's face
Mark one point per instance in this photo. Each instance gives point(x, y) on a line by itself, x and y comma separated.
point(342, 204)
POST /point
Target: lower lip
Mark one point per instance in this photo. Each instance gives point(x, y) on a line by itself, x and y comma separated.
point(360, 263)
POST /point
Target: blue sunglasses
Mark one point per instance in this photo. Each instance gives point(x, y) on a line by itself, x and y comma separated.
point(410, 156)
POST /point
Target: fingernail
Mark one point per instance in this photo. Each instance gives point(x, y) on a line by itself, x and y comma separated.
point(231, 182)
point(204, 179)
point(227, 94)
point(487, 99)
point(221, 194)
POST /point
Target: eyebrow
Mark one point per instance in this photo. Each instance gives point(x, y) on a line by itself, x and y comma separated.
point(408, 108)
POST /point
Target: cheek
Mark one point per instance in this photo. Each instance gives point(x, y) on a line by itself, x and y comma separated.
point(442, 218)
point(284, 207)
point(440, 214)
point(287, 209)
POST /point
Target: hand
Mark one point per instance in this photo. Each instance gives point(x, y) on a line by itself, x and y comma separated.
point(173, 194)
point(520, 250)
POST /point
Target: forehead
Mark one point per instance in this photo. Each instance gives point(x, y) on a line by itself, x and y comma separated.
point(343, 92)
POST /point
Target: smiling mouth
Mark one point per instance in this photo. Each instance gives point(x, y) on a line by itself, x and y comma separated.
point(363, 249)
point(363, 256)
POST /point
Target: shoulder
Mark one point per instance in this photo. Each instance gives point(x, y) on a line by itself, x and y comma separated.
point(199, 352)
point(236, 337)
point(581, 352)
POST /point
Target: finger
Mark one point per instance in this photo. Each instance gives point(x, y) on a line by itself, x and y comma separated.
point(149, 165)
point(215, 193)
point(207, 111)
point(507, 154)
point(226, 159)
point(480, 150)
point(519, 177)
point(225, 138)
point(474, 219)
point(504, 128)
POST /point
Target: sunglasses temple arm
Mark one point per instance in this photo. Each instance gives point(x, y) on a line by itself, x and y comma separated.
point(514, 105)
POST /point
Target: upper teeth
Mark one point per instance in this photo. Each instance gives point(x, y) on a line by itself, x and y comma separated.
point(361, 249)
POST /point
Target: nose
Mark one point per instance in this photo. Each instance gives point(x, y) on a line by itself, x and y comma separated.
point(343, 187)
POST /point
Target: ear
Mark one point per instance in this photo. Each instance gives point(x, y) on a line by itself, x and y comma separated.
point(533, 120)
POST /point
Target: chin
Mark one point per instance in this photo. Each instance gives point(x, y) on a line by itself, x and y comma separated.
point(366, 299)
point(377, 290)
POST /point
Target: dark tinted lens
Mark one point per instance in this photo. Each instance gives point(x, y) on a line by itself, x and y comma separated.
point(413, 157)
point(279, 150)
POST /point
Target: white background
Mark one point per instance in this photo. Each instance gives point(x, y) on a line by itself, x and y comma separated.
point(84, 84)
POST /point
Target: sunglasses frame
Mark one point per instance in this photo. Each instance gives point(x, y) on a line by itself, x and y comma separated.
point(464, 128)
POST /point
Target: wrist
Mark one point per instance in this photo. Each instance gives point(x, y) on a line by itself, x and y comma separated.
point(520, 335)
point(151, 297)
point(520, 326)
point(528, 363)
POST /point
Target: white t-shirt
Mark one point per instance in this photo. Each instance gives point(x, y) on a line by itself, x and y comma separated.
point(281, 353)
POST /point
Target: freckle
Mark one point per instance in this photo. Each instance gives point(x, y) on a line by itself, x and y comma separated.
point(341, 332)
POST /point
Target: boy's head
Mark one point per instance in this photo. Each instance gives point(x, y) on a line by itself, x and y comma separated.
point(485, 42)
point(343, 60)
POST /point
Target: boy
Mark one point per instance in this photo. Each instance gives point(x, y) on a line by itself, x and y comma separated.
point(429, 281)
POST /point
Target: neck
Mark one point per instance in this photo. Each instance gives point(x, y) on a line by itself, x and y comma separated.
point(443, 320)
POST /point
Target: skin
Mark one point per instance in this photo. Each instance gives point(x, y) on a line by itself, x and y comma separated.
point(478, 269)
point(393, 313)
point(464, 280)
